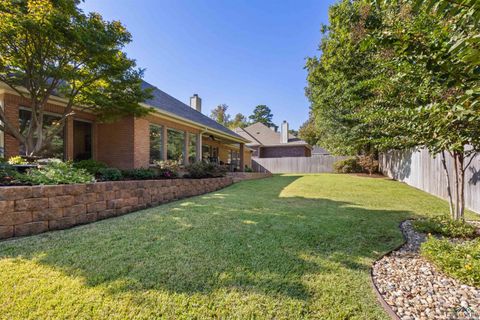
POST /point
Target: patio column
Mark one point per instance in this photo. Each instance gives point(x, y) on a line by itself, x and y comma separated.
point(68, 139)
point(164, 143)
point(185, 148)
point(242, 157)
point(198, 151)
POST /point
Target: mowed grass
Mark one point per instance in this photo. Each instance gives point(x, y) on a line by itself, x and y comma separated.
point(287, 247)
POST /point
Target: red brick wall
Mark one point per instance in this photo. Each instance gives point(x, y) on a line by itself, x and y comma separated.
point(31, 210)
point(141, 143)
point(12, 105)
point(115, 143)
point(279, 152)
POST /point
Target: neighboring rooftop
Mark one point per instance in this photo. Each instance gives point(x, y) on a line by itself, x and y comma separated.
point(165, 102)
point(318, 151)
point(261, 135)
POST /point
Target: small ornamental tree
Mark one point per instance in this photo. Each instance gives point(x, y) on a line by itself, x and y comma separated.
point(50, 47)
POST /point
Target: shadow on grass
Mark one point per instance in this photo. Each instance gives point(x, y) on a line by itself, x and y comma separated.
point(245, 237)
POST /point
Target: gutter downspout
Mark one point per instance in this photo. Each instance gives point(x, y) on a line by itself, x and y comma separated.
point(199, 151)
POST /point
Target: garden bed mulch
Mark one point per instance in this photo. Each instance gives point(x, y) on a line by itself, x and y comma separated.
point(412, 288)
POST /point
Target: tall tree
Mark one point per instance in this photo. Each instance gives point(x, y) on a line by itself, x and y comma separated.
point(264, 115)
point(308, 132)
point(238, 121)
point(220, 114)
point(52, 48)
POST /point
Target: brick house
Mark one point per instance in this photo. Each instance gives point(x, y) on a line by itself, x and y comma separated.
point(267, 143)
point(174, 131)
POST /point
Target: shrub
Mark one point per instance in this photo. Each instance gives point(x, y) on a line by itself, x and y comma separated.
point(445, 226)
point(201, 170)
point(8, 175)
point(90, 166)
point(56, 173)
point(459, 260)
point(349, 165)
point(17, 160)
point(171, 165)
point(109, 174)
point(168, 169)
point(248, 169)
point(140, 174)
point(368, 163)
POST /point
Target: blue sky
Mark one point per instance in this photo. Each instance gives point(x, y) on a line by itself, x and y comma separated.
point(238, 52)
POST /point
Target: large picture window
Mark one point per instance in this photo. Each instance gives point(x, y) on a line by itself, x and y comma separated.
point(156, 142)
point(175, 145)
point(55, 149)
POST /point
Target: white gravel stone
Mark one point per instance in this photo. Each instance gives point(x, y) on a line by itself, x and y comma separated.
point(416, 290)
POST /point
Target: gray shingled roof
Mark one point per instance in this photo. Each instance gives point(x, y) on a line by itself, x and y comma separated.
point(165, 102)
point(260, 134)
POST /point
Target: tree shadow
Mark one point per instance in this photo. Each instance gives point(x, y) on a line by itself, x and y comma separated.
point(245, 237)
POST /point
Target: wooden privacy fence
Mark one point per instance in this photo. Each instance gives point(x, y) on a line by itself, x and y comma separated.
point(319, 164)
point(423, 171)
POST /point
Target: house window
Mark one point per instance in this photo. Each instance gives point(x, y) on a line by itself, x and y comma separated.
point(156, 142)
point(54, 149)
point(175, 145)
point(205, 152)
point(82, 140)
point(192, 147)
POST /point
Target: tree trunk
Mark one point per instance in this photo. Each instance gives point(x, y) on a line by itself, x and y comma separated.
point(449, 187)
point(459, 185)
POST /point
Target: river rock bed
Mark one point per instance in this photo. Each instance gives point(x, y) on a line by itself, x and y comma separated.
point(414, 289)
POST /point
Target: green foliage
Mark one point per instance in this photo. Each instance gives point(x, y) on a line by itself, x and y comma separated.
point(459, 260)
point(443, 225)
point(349, 165)
point(8, 174)
point(220, 115)
point(368, 163)
point(262, 114)
point(401, 75)
point(90, 166)
point(168, 169)
point(109, 174)
point(53, 47)
point(238, 121)
point(140, 174)
point(200, 170)
point(248, 169)
point(56, 173)
point(17, 160)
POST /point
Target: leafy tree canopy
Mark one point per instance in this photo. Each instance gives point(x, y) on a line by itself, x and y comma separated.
point(220, 114)
point(399, 74)
point(51, 47)
point(238, 121)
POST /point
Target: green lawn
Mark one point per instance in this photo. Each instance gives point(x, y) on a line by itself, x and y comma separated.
point(287, 247)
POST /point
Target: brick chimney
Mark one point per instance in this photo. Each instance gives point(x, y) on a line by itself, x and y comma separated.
point(284, 132)
point(196, 102)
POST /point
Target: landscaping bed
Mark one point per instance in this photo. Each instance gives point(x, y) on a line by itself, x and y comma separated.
point(414, 287)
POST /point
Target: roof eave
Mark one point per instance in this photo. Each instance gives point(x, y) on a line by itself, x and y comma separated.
point(195, 124)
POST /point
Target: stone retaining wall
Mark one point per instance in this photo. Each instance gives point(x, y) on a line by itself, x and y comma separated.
point(240, 176)
point(35, 209)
